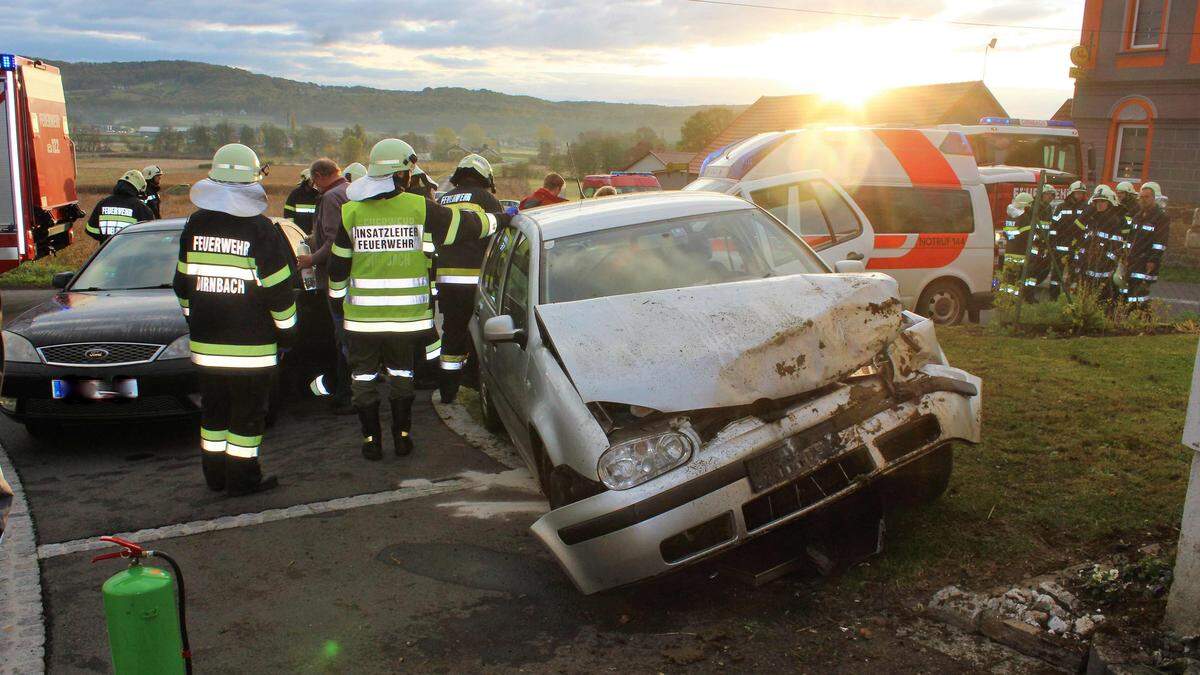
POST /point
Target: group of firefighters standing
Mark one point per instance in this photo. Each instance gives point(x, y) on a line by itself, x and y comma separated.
point(134, 198)
point(1111, 241)
point(388, 254)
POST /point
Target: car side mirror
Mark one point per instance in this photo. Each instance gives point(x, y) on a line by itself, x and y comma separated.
point(849, 267)
point(61, 279)
point(502, 329)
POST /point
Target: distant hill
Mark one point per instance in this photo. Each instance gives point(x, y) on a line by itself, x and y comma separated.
point(183, 92)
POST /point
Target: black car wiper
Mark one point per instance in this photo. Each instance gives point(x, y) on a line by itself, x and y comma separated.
point(143, 288)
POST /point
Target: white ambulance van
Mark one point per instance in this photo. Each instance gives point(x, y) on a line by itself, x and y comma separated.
point(907, 202)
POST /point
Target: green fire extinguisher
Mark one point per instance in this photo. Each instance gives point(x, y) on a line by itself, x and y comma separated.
point(146, 615)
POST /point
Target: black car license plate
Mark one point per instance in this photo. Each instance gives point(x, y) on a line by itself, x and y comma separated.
point(787, 461)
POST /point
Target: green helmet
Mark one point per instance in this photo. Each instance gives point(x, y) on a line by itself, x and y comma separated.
point(1153, 187)
point(235, 163)
point(354, 171)
point(1077, 186)
point(476, 163)
point(1103, 192)
point(136, 179)
point(1049, 189)
point(306, 174)
point(1126, 188)
point(1023, 200)
point(151, 171)
point(389, 156)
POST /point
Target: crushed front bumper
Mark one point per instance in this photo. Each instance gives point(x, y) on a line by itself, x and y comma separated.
point(854, 434)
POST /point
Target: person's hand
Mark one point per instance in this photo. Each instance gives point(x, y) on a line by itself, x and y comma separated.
point(304, 261)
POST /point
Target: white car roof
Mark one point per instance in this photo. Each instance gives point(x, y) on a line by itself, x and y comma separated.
point(605, 213)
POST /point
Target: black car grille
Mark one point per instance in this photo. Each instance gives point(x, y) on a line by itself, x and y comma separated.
point(99, 353)
point(150, 406)
point(808, 489)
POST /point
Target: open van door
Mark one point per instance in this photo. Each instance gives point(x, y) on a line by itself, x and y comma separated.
point(818, 210)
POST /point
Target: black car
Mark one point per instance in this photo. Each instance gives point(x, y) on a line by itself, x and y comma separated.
point(112, 344)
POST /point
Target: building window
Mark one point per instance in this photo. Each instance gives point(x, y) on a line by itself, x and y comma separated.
point(1148, 24)
point(1131, 152)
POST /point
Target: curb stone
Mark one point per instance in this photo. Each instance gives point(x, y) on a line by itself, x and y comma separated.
point(455, 416)
point(22, 622)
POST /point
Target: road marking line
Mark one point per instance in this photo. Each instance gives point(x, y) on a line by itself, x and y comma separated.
point(413, 490)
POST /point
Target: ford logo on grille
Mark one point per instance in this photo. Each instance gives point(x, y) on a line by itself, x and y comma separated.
point(95, 354)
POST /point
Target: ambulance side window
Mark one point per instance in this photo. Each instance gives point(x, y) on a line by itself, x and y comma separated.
point(516, 284)
point(493, 266)
point(842, 219)
point(796, 206)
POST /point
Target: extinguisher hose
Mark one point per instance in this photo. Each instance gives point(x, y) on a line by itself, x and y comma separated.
point(187, 649)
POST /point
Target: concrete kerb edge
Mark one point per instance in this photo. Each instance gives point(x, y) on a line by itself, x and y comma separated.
point(456, 417)
point(23, 620)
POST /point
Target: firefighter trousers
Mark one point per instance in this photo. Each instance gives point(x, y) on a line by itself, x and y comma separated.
point(373, 355)
point(457, 301)
point(233, 415)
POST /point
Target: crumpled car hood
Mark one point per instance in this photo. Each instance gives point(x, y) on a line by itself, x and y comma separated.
point(725, 344)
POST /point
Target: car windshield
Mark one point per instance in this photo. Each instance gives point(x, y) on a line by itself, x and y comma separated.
point(1032, 150)
point(678, 253)
point(709, 185)
point(130, 261)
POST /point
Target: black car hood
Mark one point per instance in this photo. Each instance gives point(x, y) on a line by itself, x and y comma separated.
point(151, 317)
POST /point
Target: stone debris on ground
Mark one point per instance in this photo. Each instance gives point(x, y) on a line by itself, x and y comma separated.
point(1045, 605)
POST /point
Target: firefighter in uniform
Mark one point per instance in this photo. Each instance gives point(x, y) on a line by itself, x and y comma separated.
point(354, 172)
point(234, 282)
point(1065, 232)
point(301, 204)
point(1101, 245)
point(458, 271)
point(1041, 249)
point(153, 176)
point(380, 270)
point(123, 207)
point(1146, 245)
point(1016, 235)
point(1127, 198)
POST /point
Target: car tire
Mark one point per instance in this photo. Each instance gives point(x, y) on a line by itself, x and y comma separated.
point(945, 301)
point(922, 481)
point(41, 430)
point(491, 419)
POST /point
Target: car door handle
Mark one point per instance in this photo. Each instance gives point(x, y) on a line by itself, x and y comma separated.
point(854, 255)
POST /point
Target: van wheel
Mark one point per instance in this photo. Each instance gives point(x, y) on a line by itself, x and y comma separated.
point(491, 419)
point(944, 301)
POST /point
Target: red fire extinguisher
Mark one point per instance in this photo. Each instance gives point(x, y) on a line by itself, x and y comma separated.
point(146, 614)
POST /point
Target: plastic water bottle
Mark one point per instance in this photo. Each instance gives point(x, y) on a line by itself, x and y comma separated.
point(308, 275)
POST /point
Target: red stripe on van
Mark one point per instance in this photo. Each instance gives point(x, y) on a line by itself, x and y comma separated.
point(924, 164)
point(930, 251)
point(816, 239)
point(890, 240)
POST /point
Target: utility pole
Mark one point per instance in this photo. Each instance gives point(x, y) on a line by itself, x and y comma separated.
point(1183, 604)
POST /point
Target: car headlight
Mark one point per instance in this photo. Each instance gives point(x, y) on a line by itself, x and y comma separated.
point(631, 463)
point(181, 348)
point(19, 350)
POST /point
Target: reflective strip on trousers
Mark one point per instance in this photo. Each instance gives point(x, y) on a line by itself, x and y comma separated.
point(388, 326)
point(433, 350)
point(392, 372)
point(365, 377)
point(1158, 247)
point(317, 386)
point(1143, 277)
point(235, 450)
point(217, 361)
point(448, 279)
point(212, 446)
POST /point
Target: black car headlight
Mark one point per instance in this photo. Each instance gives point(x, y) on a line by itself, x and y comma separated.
point(19, 350)
point(181, 348)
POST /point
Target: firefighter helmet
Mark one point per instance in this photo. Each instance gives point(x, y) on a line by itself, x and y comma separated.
point(1104, 192)
point(1023, 200)
point(235, 163)
point(1077, 186)
point(1126, 188)
point(151, 171)
point(476, 164)
point(1153, 187)
point(305, 175)
point(136, 179)
point(354, 171)
point(389, 156)
point(1049, 189)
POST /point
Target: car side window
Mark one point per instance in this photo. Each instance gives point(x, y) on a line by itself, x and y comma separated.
point(842, 220)
point(516, 284)
point(493, 266)
point(796, 206)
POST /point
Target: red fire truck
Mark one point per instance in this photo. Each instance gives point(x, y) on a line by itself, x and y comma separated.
point(38, 202)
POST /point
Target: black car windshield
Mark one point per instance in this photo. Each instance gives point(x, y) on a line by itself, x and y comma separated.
point(678, 253)
point(130, 261)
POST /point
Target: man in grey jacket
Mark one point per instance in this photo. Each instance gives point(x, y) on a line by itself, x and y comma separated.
point(328, 179)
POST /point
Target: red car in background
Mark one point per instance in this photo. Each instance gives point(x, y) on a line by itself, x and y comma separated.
point(623, 182)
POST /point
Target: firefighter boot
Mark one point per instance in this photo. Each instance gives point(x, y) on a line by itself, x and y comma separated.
point(372, 444)
point(213, 465)
point(244, 477)
point(401, 425)
point(448, 383)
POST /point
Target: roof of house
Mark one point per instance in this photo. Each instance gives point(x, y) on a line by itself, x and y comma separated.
point(1064, 110)
point(920, 105)
point(667, 157)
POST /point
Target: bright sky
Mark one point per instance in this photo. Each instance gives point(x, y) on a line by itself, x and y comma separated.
point(655, 51)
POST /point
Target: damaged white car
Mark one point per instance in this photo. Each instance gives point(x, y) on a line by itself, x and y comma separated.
point(683, 374)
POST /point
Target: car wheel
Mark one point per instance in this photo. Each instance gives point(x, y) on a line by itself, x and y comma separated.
point(40, 430)
point(922, 481)
point(944, 301)
point(491, 419)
